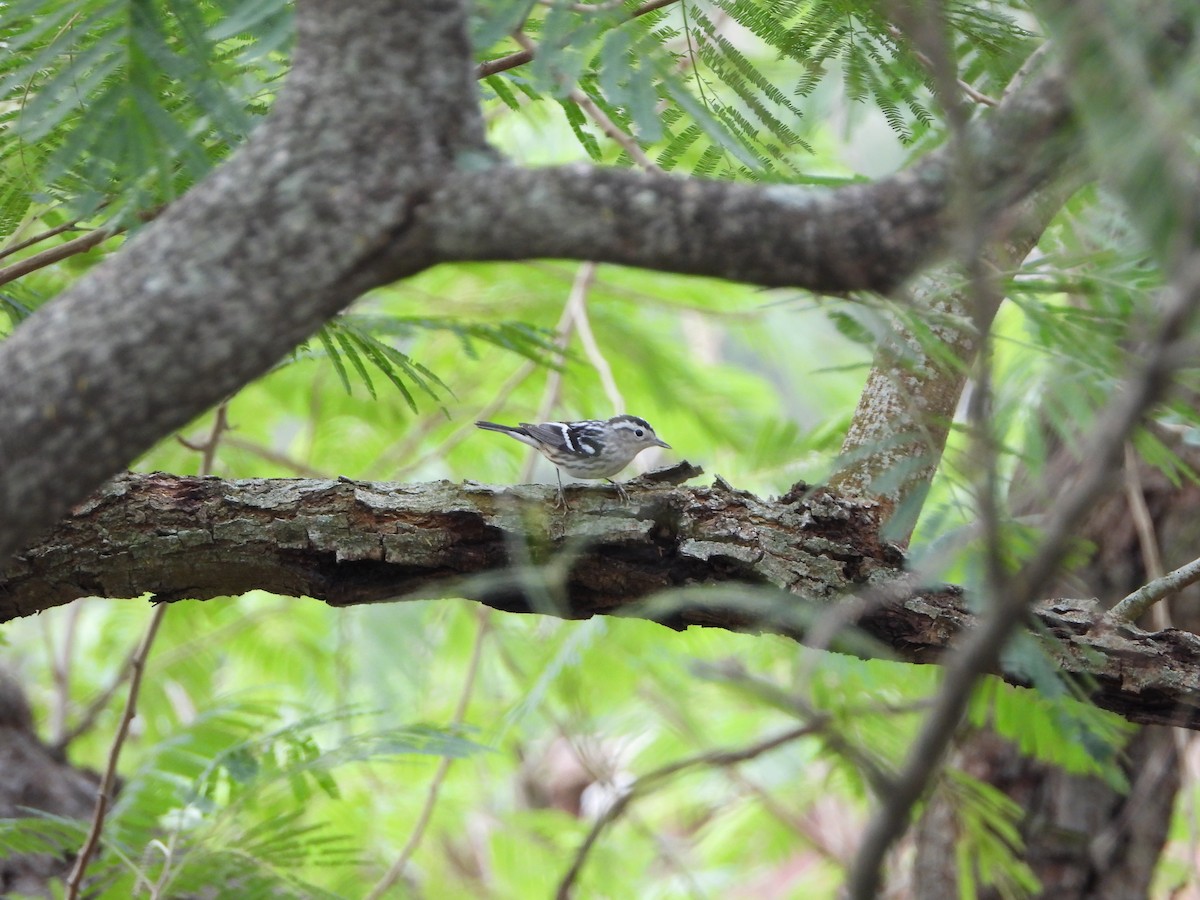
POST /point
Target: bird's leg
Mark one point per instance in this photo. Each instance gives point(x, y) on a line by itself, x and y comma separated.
point(562, 497)
point(620, 490)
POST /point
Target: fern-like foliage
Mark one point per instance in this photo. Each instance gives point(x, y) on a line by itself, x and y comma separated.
point(357, 345)
point(223, 802)
point(990, 851)
point(689, 80)
point(128, 102)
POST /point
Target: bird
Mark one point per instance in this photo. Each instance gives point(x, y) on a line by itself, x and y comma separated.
point(594, 448)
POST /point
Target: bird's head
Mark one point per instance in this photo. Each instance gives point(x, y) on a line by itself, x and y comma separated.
point(635, 434)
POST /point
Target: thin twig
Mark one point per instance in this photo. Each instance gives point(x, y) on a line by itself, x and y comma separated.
point(61, 672)
point(397, 868)
point(802, 824)
point(109, 780)
point(677, 720)
point(1146, 596)
point(579, 294)
point(1143, 524)
point(208, 449)
point(604, 6)
point(612, 130)
point(81, 244)
point(670, 857)
point(137, 668)
point(923, 59)
point(98, 704)
point(1152, 556)
point(462, 432)
point(712, 758)
point(521, 57)
point(38, 238)
point(589, 106)
point(1032, 62)
point(551, 393)
point(575, 318)
point(272, 456)
point(100, 701)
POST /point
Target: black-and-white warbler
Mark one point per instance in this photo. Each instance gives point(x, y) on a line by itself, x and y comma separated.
point(589, 449)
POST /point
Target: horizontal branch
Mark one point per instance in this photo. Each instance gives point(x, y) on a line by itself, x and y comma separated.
point(870, 236)
point(712, 556)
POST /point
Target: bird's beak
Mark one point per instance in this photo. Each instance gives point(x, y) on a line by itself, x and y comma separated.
point(659, 442)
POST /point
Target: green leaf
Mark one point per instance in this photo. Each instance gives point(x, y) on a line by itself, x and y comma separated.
point(578, 125)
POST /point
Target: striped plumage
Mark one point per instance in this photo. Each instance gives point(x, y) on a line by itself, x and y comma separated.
point(590, 449)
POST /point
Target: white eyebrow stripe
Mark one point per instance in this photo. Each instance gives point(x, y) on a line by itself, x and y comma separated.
point(632, 422)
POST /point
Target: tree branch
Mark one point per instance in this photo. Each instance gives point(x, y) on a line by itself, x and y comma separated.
point(1146, 596)
point(108, 784)
point(49, 257)
point(768, 566)
point(895, 441)
point(870, 236)
point(38, 238)
point(649, 781)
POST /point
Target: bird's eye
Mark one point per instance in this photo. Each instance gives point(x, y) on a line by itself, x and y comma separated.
point(640, 433)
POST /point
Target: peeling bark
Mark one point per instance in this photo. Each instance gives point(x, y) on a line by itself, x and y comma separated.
point(769, 566)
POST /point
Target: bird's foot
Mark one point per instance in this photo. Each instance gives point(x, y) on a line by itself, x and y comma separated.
point(560, 501)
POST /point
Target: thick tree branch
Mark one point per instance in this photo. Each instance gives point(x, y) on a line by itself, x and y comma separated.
point(770, 566)
point(870, 236)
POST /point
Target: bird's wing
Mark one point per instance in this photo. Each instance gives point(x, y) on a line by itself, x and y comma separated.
point(553, 434)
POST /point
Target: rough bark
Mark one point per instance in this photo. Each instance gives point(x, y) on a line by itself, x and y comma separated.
point(860, 237)
point(373, 166)
point(33, 777)
point(770, 566)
